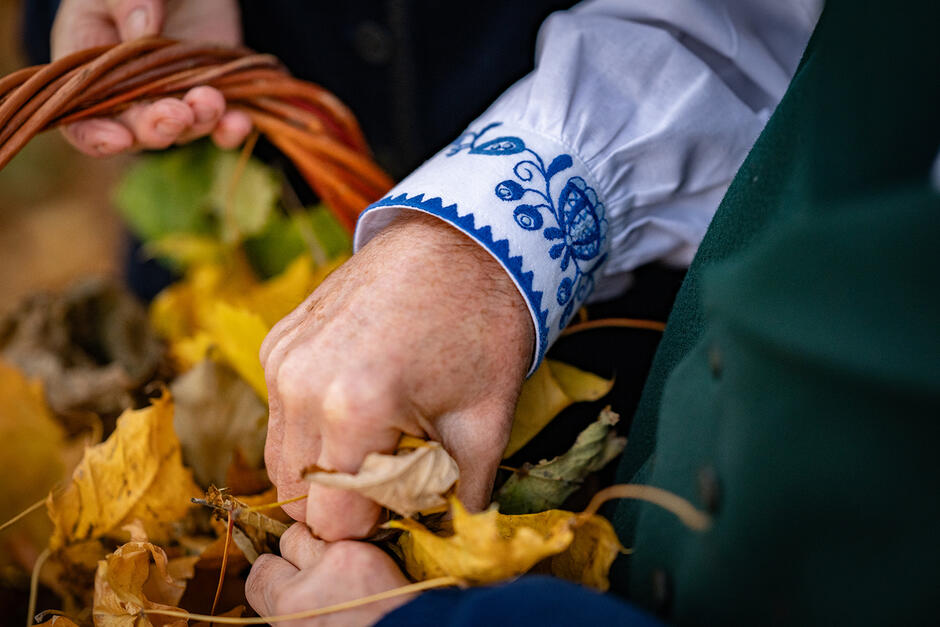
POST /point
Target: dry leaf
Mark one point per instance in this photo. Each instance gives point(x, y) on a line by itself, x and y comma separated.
point(550, 389)
point(547, 484)
point(480, 551)
point(91, 346)
point(31, 447)
point(70, 573)
point(588, 558)
point(58, 621)
point(138, 576)
point(217, 416)
point(136, 473)
point(407, 483)
point(237, 334)
point(489, 547)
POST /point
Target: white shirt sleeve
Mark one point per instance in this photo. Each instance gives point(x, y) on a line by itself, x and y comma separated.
point(616, 150)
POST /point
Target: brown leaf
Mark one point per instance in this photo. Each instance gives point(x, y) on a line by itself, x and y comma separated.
point(139, 576)
point(91, 346)
point(406, 483)
point(217, 416)
point(137, 473)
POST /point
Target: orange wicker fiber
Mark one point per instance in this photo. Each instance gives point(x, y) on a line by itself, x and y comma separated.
point(306, 122)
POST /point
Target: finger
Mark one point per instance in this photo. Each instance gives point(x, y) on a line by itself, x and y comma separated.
point(160, 124)
point(476, 438)
point(359, 416)
point(81, 24)
point(300, 548)
point(268, 575)
point(231, 130)
point(99, 137)
point(208, 105)
point(137, 18)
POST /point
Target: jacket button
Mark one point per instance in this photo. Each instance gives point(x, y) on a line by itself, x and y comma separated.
point(715, 361)
point(709, 489)
point(661, 585)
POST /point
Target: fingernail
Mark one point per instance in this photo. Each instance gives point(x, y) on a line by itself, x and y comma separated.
point(169, 128)
point(137, 23)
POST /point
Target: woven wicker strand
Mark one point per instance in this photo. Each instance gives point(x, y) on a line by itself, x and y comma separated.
point(306, 122)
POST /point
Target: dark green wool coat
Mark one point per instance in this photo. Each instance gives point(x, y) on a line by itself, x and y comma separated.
point(796, 392)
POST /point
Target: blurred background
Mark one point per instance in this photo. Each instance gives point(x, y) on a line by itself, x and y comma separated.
point(56, 219)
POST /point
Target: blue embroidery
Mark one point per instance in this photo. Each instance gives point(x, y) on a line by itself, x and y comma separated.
point(483, 235)
point(579, 223)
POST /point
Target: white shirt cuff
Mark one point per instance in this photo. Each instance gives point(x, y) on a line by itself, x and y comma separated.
point(528, 201)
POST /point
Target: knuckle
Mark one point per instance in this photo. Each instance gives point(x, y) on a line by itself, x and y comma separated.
point(293, 380)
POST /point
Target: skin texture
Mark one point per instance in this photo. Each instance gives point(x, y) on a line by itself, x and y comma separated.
point(81, 24)
point(313, 573)
point(395, 342)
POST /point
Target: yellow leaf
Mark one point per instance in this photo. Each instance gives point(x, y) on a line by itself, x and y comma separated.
point(137, 473)
point(139, 576)
point(490, 547)
point(480, 550)
point(407, 483)
point(588, 559)
point(187, 249)
point(550, 389)
point(238, 334)
point(32, 445)
point(278, 296)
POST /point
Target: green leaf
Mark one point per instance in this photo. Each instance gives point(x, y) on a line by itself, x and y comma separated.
point(167, 193)
point(272, 250)
point(547, 484)
point(242, 209)
point(330, 234)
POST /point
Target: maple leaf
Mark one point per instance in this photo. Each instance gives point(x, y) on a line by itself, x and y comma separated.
point(137, 473)
point(139, 576)
point(489, 547)
point(547, 484)
point(409, 482)
point(31, 446)
point(217, 414)
point(551, 388)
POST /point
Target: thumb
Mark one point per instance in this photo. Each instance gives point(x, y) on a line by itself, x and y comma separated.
point(137, 18)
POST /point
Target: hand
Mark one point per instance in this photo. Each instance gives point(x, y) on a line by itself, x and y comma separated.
point(421, 332)
point(313, 573)
point(81, 24)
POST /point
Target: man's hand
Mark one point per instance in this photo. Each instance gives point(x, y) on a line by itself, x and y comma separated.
point(81, 24)
point(421, 332)
point(313, 573)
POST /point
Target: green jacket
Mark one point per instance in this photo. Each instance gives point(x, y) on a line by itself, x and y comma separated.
point(796, 393)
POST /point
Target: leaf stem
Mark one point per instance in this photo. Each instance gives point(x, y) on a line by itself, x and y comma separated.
point(29, 510)
point(687, 513)
point(439, 582)
point(258, 508)
point(34, 585)
point(607, 323)
point(225, 548)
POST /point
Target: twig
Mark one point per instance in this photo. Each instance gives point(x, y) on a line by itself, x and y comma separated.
point(607, 323)
point(228, 541)
point(687, 513)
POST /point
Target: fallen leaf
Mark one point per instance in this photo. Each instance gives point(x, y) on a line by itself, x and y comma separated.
point(217, 416)
point(91, 346)
point(238, 334)
point(547, 484)
point(138, 576)
point(407, 483)
point(70, 573)
point(551, 388)
point(137, 473)
point(31, 447)
point(480, 551)
point(58, 621)
point(489, 547)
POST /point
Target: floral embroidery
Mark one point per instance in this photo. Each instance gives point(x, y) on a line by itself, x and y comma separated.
point(576, 213)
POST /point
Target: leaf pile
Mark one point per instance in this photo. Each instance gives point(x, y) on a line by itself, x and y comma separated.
point(139, 522)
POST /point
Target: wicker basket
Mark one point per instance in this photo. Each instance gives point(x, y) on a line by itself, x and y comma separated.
point(306, 122)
